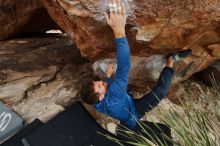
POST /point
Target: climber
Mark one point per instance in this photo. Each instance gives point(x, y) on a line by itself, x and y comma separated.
point(110, 97)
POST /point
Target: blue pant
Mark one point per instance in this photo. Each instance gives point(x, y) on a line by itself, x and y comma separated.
point(153, 98)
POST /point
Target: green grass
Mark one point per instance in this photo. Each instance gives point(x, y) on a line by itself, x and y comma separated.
point(198, 123)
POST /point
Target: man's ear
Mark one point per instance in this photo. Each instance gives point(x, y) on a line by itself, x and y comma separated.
point(101, 97)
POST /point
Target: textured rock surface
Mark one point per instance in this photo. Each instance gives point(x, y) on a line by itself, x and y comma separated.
point(153, 28)
point(49, 98)
point(38, 75)
point(23, 17)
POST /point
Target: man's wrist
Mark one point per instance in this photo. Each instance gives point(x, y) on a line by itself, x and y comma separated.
point(119, 34)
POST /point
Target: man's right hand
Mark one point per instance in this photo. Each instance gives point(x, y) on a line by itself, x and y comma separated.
point(117, 18)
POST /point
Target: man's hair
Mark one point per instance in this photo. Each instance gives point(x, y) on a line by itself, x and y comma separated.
point(87, 91)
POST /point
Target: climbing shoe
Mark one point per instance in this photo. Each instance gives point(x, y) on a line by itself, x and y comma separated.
point(181, 54)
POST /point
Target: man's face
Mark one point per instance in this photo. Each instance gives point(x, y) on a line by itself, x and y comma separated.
point(100, 87)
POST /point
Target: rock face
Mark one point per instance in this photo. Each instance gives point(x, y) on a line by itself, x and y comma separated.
point(23, 17)
point(153, 28)
point(38, 76)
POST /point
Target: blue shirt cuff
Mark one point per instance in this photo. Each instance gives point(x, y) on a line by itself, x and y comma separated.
point(119, 39)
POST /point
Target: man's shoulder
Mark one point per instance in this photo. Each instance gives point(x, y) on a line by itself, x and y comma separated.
point(114, 88)
point(115, 95)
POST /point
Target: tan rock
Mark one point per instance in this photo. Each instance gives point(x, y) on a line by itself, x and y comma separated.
point(39, 76)
point(215, 49)
point(153, 28)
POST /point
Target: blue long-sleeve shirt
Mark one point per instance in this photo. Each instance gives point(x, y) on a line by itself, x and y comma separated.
point(117, 103)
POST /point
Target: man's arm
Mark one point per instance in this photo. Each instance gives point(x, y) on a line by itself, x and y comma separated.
point(117, 21)
point(123, 62)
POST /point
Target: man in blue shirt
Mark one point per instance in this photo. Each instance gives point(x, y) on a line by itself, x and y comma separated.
point(110, 97)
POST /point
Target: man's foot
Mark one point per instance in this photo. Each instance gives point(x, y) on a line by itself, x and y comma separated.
point(181, 54)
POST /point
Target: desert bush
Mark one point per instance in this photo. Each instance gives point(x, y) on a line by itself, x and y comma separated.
point(198, 123)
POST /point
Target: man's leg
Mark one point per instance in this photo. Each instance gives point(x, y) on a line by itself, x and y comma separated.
point(152, 99)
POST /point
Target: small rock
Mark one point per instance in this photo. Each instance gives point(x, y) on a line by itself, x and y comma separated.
point(111, 127)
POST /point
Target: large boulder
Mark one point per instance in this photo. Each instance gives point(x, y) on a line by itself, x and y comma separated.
point(23, 17)
point(39, 76)
point(26, 63)
point(154, 28)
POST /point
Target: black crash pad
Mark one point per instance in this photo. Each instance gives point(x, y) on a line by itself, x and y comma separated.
point(73, 127)
point(16, 140)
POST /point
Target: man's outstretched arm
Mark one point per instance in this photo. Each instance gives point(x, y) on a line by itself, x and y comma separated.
point(123, 62)
point(117, 21)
